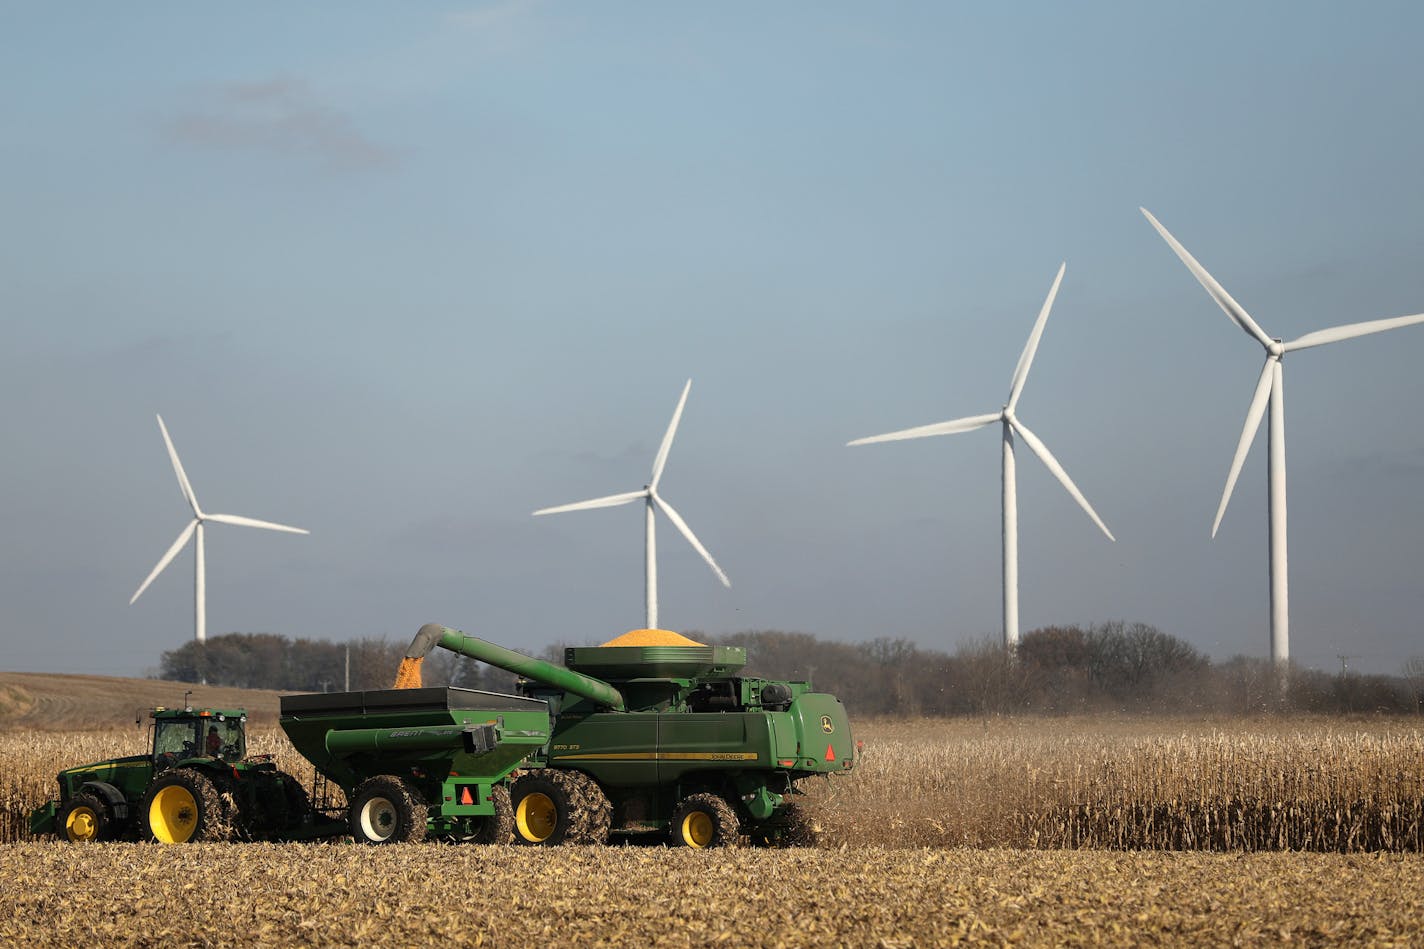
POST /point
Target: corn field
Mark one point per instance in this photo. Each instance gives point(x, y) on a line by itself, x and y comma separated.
point(1322, 785)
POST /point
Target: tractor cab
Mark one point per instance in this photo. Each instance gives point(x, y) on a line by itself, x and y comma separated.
point(182, 734)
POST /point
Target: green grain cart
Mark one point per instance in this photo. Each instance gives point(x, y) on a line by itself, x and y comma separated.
point(418, 762)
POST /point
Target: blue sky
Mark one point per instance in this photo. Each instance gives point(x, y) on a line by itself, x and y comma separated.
point(401, 275)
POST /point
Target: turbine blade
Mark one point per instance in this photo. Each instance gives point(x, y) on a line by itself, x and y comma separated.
point(1051, 463)
point(1026, 358)
point(183, 482)
point(1248, 434)
point(251, 522)
point(938, 428)
point(1337, 333)
point(1238, 314)
point(613, 500)
point(681, 525)
point(166, 559)
point(666, 446)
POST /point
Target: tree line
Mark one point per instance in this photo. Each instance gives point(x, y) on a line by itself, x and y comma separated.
point(1130, 668)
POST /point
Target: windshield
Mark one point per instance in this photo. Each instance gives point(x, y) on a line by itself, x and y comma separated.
point(174, 741)
point(223, 739)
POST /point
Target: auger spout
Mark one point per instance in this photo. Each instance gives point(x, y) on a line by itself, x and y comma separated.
point(576, 683)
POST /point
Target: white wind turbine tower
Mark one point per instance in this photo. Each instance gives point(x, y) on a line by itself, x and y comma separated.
point(1270, 389)
point(195, 527)
point(649, 495)
point(1011, 424)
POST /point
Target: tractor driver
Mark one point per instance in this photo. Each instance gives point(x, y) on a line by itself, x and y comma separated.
point(214, 744)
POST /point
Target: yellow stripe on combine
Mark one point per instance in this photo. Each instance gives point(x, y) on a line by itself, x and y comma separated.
point(664, 756)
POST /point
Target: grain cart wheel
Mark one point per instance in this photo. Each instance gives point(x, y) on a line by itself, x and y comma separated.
point(83, 819)
point(385, 810)
point(559, 807)
point(704, 820)
point(184, 805)
point(498, 828)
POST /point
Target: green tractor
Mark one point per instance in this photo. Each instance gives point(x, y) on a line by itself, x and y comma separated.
point(196, 783)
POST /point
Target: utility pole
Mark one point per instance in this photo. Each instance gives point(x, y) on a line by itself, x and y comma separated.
point(1344, 660)
point(348, 667)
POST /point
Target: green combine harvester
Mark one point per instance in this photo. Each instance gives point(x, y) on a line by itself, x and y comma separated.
point(649, 734)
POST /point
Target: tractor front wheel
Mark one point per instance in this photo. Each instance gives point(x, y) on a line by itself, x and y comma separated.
point(184, 805)
point(84, 818)
point(386, 810)
point(705, 820)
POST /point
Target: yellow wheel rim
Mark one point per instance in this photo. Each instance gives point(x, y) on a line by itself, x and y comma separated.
point(82, 824)
point(697, 829)
point(173, 815)
point(536, 817)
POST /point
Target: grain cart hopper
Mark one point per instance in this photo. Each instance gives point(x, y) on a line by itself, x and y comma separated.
point(196, 782)
point(655, 733)
point(418, 761)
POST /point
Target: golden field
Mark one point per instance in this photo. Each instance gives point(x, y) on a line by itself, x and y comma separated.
point(1020, 831)
point(428, 894)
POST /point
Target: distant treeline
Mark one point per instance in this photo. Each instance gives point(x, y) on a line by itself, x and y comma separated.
point(1058, 670)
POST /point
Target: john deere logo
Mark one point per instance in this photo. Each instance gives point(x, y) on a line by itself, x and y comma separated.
point(827, 725)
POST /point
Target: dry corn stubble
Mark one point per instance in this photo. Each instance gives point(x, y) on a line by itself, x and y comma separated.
point(1321, 784)
point(345, 895)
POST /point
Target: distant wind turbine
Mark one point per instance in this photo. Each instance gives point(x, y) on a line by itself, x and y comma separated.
point(649, 495)
point(1011, 424)
point(195, 527)
point(1270, 389)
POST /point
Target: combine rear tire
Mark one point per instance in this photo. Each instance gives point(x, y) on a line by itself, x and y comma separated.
point(184, 805)
point(83, 819)
point(560, 807)
point(385, 810)
point(704, 820)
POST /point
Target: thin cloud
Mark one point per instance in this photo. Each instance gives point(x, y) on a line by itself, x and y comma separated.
point(493, 16)
point(280, 116)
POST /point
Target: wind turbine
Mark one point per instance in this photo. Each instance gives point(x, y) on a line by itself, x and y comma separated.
point(651, 499)
point(1270, 389)
point(1011, 425)
point(195, 528)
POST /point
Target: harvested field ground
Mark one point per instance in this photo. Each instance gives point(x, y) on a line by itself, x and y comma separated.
point(1024, 831)
point(342, 895)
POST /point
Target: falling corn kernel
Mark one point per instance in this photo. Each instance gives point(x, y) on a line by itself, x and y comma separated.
point(408, 675)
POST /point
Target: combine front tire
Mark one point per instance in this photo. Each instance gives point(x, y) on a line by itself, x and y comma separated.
point(704, 820)
point(83, 819)
point(385, 810)
point(560, 807)
point(184, 805)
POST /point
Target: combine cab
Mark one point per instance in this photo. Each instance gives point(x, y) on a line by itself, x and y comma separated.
point(196, 783)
